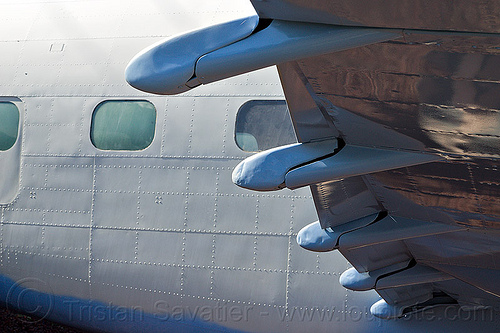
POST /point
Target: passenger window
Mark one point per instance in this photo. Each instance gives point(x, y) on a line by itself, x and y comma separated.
point(123, 125)
point(263, 124)
point(9, 125)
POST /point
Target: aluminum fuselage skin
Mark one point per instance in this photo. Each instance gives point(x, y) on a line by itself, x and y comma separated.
point(159, 239)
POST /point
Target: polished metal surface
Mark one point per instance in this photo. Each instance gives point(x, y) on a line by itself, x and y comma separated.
point(436, 93)
point(168, 67)
point(429, 92)
point(185, 61)
point(439, 89)
point(281, 42)
point(461, 15)
point(308, 115)
point(162, 231)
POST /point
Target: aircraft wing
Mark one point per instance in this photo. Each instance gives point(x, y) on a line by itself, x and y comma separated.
point(424, 234)
point(396, 110)
point(419, 235)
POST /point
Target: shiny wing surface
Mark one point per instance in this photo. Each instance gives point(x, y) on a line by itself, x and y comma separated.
point(420, 235)
point(396, 111)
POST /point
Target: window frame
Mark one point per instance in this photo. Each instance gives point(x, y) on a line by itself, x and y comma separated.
point(100, 104)
point(18, 125)
point(247, 106)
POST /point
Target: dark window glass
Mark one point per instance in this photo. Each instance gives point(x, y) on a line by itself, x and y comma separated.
point(9, 125)
point(123, 125)
point(263, 124)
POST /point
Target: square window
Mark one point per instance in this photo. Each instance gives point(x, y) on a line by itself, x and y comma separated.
point(263, 124)
point(123, 125)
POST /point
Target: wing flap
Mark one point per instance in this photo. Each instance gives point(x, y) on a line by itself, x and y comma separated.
point(392, 240)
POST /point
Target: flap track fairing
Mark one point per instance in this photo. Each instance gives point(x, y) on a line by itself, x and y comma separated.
point(304, 164)
point(182, 62)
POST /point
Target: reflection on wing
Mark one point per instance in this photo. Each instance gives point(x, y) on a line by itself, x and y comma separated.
point(411, 232)
point(398, 140)
point(183, 62)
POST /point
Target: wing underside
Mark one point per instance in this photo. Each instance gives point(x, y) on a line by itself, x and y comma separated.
point(420, 235)
point(395, 107)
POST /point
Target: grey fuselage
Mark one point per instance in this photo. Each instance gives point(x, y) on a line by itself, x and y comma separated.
point(157, 239)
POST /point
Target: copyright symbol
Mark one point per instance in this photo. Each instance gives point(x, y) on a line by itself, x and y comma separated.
point(33, 296)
